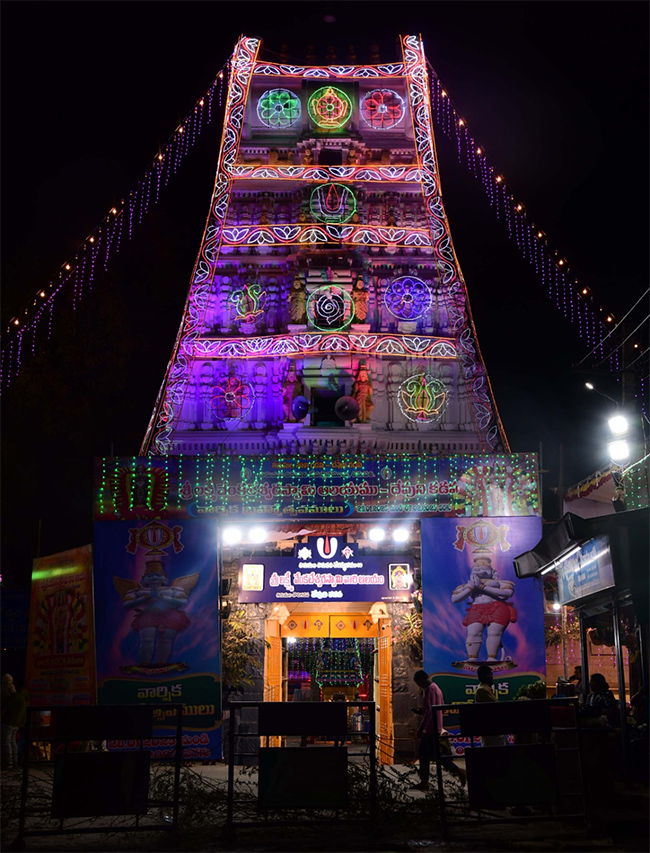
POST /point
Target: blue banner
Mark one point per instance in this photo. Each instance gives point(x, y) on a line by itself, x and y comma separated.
point(475, 610)
point(157, 627)
point(327, 568)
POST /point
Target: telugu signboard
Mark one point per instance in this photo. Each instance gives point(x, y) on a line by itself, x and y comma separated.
point(316, 487)
point(588, 571)
point(475, 610)
point(327, 568)
point(60, 667)
point(157, 618)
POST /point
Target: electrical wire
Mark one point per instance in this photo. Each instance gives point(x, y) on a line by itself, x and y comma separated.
point(600, 343)
point(645, 320)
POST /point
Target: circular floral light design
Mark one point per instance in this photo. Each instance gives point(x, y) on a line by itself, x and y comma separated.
point(279, 108)
point(333, 203)
point(330, 308)
point(329, 108)
point(407, 298)
point(422, 398)
point(382, 109)
point(232, 398)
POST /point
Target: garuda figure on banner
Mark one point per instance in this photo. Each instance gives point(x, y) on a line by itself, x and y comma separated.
point(488, 609)
point(159, 614)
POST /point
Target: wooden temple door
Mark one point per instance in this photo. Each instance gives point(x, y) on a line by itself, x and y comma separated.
point(384, 693)
point(273, 668)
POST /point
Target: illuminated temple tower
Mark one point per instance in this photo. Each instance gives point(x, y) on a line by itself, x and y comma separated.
point(327, 312)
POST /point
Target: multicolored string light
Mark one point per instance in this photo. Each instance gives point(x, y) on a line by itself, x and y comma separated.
point(575, 300)
point(77, 274)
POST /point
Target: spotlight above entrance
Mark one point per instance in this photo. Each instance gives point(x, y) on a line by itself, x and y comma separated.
point(236, 533)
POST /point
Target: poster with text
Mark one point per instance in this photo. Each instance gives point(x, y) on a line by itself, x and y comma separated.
point(60, 666)
point(475, 610)
point(157, 616)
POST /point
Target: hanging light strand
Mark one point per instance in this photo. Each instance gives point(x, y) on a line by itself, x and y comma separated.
point(530, 239)
point(105, 240)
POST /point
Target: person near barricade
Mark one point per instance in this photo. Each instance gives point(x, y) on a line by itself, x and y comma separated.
point(600, 705)
point(427, 747)
point(485, 693)
point(14, 718)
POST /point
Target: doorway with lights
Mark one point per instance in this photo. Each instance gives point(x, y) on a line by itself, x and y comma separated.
point(334, 653)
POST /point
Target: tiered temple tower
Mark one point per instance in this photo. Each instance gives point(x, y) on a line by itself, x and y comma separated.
point(327, 312)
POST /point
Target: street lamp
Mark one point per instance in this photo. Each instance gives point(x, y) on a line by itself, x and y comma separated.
point(619, 449)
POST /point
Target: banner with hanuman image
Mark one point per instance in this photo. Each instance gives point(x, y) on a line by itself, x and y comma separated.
point(157, 620)
point(475, 610)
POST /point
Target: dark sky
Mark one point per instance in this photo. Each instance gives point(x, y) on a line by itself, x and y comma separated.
point(556, 92)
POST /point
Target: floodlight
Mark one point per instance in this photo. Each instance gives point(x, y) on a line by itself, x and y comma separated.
point(376, 534)
point(619, 450)
point(231, 535)
point(257, 534)
point(618, 424)
point(401, 534)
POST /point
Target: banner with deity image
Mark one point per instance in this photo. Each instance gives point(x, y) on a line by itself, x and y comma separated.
point(475, 610)
point(157, 618)
point(60, 665)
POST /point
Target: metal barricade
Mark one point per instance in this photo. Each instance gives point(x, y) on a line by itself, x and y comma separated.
point(97, 786)
point(538, 777)
point(295, 780)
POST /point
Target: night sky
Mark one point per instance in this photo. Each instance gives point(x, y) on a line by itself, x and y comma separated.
point(556, 93)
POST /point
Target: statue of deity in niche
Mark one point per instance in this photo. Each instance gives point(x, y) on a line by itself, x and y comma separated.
point(362, 393)
point(353, 158)
point(291, 389)
point(307, 158)
point(360, 296)
point(297, 300)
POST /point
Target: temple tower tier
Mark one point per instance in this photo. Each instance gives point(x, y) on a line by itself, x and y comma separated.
point(327, 312)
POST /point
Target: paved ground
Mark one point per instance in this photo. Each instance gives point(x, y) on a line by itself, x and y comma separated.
point(407, 823)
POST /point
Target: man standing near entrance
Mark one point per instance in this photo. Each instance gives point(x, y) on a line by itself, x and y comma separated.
point(432, 696)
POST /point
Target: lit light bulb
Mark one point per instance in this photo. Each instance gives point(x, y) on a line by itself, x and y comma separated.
point(180, 129)
point(589, 385)
point(461, 123)
point(160, 156)
point(618, 424)
point(540, 235)
point(201, 102)
point(619, 450)
point(556, 605)
point(92, 240)
point(16, 321)
point(231, 535)
point(479, 151)
point(113, 210)
point(67, 266)
point(257, 534)
point(42, 294)
point(636, 346)
point(376, 534)
point(499, 179)
point(401, 534)
point(221, 75)
point(584, 291)
point(443, 93)
point(610, 319)
point(520, 207)
point(291, 640)
point(560, 262)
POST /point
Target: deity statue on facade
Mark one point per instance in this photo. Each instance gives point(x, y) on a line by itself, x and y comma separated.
point(353, 157)
point(360, 297)
point(307, 157)
point(297, 300)
point(159, 614)
point(362, 393)
point(488, 608)
point(291, 389)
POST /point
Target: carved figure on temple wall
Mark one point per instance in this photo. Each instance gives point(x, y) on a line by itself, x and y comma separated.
point(353, 157)
point(291, 389)
point(302, 216)
point(297, 300)
point(360, 296)
point(362, 393)
point(307, 158)
point(391, 220)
